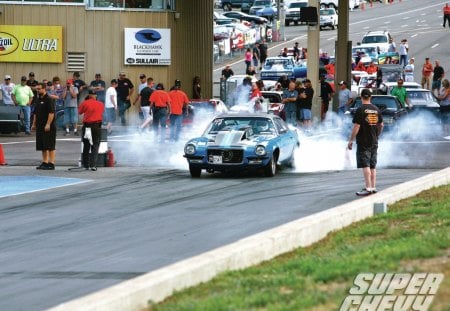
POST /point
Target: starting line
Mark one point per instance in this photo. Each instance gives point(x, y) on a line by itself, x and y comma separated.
point(16, 185)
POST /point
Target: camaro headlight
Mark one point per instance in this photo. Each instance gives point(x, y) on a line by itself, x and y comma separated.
point(189, 149)
point(260, 150)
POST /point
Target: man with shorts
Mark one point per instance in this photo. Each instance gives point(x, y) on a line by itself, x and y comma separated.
point(44, 124)
point(110, 106)
point(367, 127)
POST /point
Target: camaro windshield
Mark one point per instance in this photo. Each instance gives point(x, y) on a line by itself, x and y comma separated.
point(258, 125)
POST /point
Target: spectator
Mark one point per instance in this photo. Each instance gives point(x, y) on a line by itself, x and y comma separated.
point(22, 96)
point(6, 89)
point(306, 104)
point(444, 97)
point(144, 98)
point(360, 66)
point(262, 52)
point(124, 92)
point(367, 127)
point(160, 104)
point(284, 82)
point(142, 84)
point(248, 58)
point(446, 11)
point(251, 71)
point(256, 55)
point(403, 52)
point(372, 68)
point(80, 84)
point(438, 75)
point(379, 77)
point(32, 83)
point(99, 87)
point(111, 105)
point(285, 52)
point(196, 88)
point(296, 52)
point(392, 47)
point(409, 71)
point(427, 69)
point(70, 94)
point(326, 93)
point(92, 110)
point(44, 124)
point(345, 97)
point(399, 91)
point(227, 72)
point(178, 102)
point(289, 100)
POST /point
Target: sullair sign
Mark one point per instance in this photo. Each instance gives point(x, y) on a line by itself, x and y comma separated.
point(145, 46)
point(31, 44)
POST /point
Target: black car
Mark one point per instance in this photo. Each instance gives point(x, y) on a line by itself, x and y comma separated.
point(390, 107)
point(244, 5)
point(246, 17)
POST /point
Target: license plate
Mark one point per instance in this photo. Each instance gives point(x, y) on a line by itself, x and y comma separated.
point(215, 159)
point(295, 18)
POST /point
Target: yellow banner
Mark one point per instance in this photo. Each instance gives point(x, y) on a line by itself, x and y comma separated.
point(31, 44)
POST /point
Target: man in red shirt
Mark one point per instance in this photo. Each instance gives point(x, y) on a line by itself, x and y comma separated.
point(92, 123)
point(160, 105)
point(178, 101)
point(446, 11)
point(427, 70)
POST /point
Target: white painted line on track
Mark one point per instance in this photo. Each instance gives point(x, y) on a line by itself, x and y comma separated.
point(435, 45)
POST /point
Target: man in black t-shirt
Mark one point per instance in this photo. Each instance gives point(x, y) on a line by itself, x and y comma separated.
point(144, 96)
point(124, 91)
point(438, 76)
point(367, 127)
point(326, 93)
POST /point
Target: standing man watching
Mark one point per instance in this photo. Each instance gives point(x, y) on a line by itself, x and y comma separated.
point(92, 110)
point(6, 89)
point(427, 70)
point(262, 53)
point(438, 75)
point(326, 93)
point(160, 105)
point(367, 127)
point(110, 106)
point(178, 101)
point(44, 124)
point(446, 11)
point(345, 98)
point(124, 92)
point(22, 95)
point(144, 97)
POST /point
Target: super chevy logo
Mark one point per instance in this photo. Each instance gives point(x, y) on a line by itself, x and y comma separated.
point(8, 43)
point(392, 291)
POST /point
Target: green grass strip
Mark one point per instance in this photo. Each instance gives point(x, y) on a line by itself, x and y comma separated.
point(414, 236)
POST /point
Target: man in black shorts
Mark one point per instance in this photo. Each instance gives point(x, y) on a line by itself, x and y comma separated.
point(367, 127)
point(44, 124)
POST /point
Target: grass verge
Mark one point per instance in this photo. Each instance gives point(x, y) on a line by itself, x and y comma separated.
point(414, 236)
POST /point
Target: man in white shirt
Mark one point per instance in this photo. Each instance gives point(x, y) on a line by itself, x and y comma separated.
point(111, 105)
point(6, 89)
point(409, 71)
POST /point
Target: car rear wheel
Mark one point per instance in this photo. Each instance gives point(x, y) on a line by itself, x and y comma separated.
point(271, 167)
point(195, 171)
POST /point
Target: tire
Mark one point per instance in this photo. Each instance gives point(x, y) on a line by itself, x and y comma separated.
point(195, 171)
point(271, 167)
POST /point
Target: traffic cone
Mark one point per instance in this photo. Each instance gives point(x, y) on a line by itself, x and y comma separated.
point(2, 156)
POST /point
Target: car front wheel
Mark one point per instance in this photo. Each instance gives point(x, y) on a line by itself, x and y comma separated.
point(271, 168)
point(195, 171)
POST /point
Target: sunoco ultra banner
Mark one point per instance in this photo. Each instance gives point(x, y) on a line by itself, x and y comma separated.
point(147, 46)
point(31, 44)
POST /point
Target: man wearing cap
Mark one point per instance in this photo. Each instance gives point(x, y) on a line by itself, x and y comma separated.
point(80, 84)
point(367, 127)
point(178, 102)
point(45, 126)
point(70, 95)
point(22, 95)
point(409, 71)
point(92, 110)
point(99, 86)
point(110, 106)
point(399, 91)
point(124, 92)
point(305, 104)
point(143, 83)
point(345, 97)
point(6, 89)
point(144, 98)
point(160, 105)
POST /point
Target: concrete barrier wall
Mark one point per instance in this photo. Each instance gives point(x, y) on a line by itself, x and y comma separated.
point(155, 286)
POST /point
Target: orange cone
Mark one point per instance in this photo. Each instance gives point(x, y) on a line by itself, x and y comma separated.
point(2, 156)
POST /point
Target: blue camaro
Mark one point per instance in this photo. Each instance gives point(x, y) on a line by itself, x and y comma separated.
point(235, 142)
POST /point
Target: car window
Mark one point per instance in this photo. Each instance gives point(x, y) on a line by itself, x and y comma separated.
point(273, 98)
point(296, 5)
point(280, 125)
point(374, 39)
point(327, 12)
point(384, 102)
point(419, 95)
